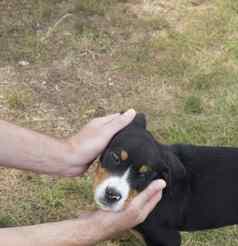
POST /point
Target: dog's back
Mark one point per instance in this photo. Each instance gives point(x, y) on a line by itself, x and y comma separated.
point(213, 185)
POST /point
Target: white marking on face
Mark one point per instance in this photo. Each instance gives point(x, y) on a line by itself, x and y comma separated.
point(118, 183)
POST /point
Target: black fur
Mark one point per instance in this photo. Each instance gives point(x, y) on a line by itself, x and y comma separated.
point(202, 183)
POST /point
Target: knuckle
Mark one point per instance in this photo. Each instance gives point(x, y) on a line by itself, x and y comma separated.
point(150, 189)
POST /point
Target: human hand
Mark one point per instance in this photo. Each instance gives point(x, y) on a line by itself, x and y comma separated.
point(108, 224)
point(93, 138)
point(89, 228)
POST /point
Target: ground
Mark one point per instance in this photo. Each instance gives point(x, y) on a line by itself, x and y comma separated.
point(63, 63)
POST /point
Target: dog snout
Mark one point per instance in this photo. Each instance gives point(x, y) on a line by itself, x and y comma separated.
point(112, 195)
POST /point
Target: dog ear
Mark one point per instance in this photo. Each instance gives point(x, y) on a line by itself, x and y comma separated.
point(173, 170)
point(140, 120)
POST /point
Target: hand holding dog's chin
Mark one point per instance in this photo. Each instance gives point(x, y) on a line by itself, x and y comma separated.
point(92, 139)
point(109, 224)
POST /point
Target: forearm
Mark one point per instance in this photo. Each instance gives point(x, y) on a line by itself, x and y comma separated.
point(25, 149)
point(80, 232)
point(90, 228)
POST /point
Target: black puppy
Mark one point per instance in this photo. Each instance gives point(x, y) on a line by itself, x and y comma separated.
point(202, 183)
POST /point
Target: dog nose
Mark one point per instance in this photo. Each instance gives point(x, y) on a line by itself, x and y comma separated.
point(112, 195)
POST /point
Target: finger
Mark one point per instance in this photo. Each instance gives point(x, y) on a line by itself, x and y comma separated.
point(106, 119)
point(151, 204)
point(145, 196)
point(120, 122)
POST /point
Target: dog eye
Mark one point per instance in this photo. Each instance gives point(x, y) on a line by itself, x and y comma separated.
point(115, 157)
point(144, 169)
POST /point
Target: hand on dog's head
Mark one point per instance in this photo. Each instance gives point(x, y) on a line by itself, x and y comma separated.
point(131, 161)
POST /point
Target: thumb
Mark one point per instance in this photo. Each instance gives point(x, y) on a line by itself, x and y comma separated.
point(147, 195)
point(141, 206)
point(120, 122)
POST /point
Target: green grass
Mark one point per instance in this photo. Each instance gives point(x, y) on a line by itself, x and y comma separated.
point(92, 7)
point(6, 221)
point(18, 99)
point(156, 23)
point(216, 77)
point(179, 66)
point(20, 38)
point(193, 105)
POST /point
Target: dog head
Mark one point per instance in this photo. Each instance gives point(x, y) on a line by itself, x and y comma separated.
point(131, 161)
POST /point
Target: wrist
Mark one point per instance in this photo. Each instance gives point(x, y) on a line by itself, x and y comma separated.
point(105, 225)
point(90, 228)
point(72, 165)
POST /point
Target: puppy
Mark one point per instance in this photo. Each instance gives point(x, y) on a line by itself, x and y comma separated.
point(202, 183)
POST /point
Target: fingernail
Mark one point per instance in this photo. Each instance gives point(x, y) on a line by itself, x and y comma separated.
point(159, 184)
point(130, 113)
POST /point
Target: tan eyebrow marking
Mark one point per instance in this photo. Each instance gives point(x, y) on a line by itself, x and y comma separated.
point(124, 155)
point(144, 169)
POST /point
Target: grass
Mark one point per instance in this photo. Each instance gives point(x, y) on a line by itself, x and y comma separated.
point(176, 61)
point(193, 105)
point(92, 7)
point(6, 221)
point(18, 99)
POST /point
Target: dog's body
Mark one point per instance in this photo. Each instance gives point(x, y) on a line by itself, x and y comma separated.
point(207, 197)
point(202, 183)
